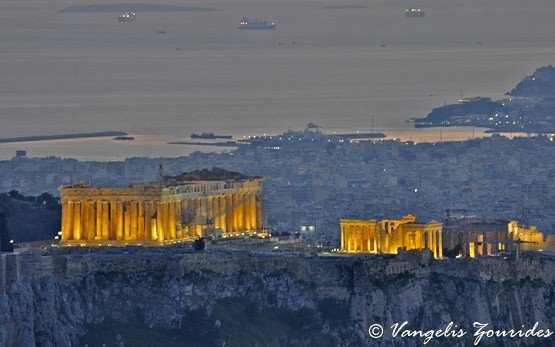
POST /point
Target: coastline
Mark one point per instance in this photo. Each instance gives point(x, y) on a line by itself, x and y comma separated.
point(106, 149)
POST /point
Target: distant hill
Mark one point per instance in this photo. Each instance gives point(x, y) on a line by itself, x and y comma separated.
point(540, 84)
point(107, 8)
point(530, 108)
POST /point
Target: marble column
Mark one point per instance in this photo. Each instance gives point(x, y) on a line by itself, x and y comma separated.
point(241, 212)
point(105, 220)
point(148, 221)
point(433, 243)
point(141, 221)
point(160, 221)
point(229, 214)
point(235, 215)
point(127, 221)
point(259, 221)
point(342, 238)
point(440, 248)
point(113, 220)
point(67, 218)
point(216, 209)
point(119, 221)
point(98, 223)
point(171, 216)
point(77, 220)
point(91, 216)
point(178, 223)
point(251, 211)
point(134, 218)
point(222, 205)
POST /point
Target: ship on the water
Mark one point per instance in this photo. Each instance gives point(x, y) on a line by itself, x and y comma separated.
point(124, 138)
point(126, 17)
point(247, 23)
point(415, 12)
point(210, 136)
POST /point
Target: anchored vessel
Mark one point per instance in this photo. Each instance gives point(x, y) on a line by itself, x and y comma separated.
point(415, 12)
point(124, 138)
point(210, 136)
point(256, 24)
point(127, 17)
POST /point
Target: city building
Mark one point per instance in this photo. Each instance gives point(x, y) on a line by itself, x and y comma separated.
point(184, 207)
point(389, 235)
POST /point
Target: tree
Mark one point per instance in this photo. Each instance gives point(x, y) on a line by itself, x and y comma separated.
point(5, 244)
point(47, 199)
point(453, 253)
point(199, 244)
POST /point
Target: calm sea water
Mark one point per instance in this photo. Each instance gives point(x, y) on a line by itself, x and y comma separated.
point(64, 73)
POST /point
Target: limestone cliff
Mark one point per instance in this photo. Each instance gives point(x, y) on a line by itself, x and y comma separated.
point(239, 298)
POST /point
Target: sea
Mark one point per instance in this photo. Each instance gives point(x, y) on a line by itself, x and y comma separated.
point(344, 65)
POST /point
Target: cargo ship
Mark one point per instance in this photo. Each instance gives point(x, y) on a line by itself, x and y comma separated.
point(123, 138)
point(126, 17)
point(210, 136)
point(415, 12)
point(256, 24)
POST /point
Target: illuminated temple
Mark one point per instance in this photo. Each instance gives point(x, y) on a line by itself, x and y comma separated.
point(178, 208)
point(388, 235)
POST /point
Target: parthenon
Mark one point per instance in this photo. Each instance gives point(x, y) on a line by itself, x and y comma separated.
point(177, 208)
point(388, 235)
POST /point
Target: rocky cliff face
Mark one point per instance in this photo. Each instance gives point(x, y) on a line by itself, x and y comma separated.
point(242, 299)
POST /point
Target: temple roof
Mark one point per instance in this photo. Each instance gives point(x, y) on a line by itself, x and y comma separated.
point(216, 174)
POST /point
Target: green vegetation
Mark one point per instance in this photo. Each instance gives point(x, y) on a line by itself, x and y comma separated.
point(5, 245)
point(111, 333)
point(246, 324)
point(238, 322)
point(336, 311)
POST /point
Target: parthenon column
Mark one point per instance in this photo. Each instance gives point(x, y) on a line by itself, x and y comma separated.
point(148, 221)
point(217, 214)
point(178, 223)
point(440, 244)
point(252, 210)
point(235, 215)
point(98, 229)
point(105, 221)
point(113, 220)
point(160, 221)
point(127, 221)
point(171, 219)
point(259, 221)
point(141, 221)
point(241, 210)
point(67, 221)
point(209, 210)
point(433, 243)
point(91, 219)
point(222, 204)
point(134, 218)
point(77, 220)
point(185, 220)
point(342, 238)
point(119, 220)
point(229, 213)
